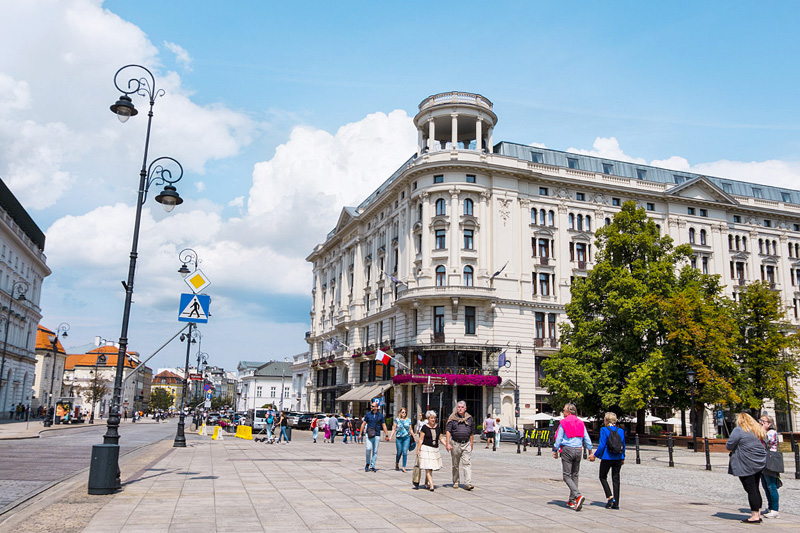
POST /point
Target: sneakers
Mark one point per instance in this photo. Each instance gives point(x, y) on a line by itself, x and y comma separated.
point(571, 504)
point(373, 469)
point(579, 502)
point(615, 505)
point(366, 467)
point(455, 485)
point(771, 514)
point(609, 503)
point(468, 487)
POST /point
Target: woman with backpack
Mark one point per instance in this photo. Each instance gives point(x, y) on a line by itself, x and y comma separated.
point(611, 451)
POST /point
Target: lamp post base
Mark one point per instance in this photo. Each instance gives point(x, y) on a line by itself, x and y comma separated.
point(180, 436)
point(104, 475)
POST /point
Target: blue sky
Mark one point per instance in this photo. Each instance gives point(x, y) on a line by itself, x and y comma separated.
point(283, 110)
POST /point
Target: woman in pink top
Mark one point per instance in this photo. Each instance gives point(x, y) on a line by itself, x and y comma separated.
point(488, 427)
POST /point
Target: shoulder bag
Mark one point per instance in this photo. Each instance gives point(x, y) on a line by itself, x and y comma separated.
point(774, 461)
point(417, 473)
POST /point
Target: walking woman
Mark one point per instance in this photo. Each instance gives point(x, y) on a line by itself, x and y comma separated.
point(402, 434)
point(748, 459)
point(611, 451)
point(283, 423)
point(769, 479)
point(428, 448)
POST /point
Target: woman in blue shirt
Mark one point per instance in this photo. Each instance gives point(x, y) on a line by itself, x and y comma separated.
point(402, 434)
point(611, 451)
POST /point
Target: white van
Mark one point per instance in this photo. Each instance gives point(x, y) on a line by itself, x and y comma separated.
point(257, 418)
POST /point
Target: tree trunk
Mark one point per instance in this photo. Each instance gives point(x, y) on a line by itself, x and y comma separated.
point(640, 421)
point(683, 422)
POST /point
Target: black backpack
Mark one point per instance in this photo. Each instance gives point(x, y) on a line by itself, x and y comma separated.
point(614, 442)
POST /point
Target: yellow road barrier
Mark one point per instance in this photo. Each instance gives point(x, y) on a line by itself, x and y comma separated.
point(244, 432)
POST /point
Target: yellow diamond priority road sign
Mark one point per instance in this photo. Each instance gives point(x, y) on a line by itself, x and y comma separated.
point(197, 281)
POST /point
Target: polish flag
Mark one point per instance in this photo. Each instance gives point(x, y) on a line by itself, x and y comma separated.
point(382, 356)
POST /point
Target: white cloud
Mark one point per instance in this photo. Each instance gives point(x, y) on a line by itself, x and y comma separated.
point(56, 131)
point(181, 55)
point(199, 186)
point(237, 202)
point(608, 148)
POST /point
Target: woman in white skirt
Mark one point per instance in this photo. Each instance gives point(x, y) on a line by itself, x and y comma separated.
point(428, 448)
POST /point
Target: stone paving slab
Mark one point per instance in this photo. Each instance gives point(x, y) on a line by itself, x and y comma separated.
point(238, 485)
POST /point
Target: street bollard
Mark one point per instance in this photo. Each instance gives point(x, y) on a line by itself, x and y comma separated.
point(638, 459)
point(669, 445)
point(525, 442)
point(494, 441)
point(518, 450)
point(539, 445)
point(708, 453)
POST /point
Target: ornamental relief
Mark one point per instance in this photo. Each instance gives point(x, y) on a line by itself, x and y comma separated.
point(505, 209)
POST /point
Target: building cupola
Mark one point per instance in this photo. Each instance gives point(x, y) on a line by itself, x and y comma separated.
point(455, 121)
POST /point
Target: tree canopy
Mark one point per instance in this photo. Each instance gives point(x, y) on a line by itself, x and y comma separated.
point(161, 399)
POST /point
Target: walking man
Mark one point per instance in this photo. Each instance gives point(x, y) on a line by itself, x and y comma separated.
point(460, 432)
point(571, 437)
point(372, 424)
point(333, 424)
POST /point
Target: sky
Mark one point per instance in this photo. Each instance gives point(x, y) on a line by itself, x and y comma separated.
point(283, 113)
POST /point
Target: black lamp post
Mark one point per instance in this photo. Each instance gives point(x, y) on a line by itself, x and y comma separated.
point(62, 330)
point(691, 375)
point(191, 338)
point(18, 291)
point(104, 475)
point(516, 388)
point(187, 255)
point(788, 376)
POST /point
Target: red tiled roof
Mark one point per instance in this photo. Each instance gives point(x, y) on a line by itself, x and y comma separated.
point(43, 336)
point(167, 377)
point(90, 358)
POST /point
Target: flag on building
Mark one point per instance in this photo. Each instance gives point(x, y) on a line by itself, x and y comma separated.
point(382, 356)
point(498, 272)
point(327, 346)
point(419, 359)
point(502, 361)
point(394, 279)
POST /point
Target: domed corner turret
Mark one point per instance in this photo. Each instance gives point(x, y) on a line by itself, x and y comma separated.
point(455, 121)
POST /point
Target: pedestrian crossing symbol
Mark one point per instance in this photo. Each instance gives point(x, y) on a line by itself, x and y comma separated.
point(194, 308)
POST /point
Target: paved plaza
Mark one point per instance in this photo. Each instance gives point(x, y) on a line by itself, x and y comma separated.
point(240, 485)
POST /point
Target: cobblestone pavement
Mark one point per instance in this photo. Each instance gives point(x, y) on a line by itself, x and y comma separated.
point(237, 485)
point(29, 465)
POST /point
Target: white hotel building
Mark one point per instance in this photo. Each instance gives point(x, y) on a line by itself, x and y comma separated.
point(463, 208)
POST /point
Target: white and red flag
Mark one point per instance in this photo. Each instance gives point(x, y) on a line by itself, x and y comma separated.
point(382, 356)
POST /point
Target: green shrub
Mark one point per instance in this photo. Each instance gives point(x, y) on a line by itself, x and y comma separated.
point(655, 429)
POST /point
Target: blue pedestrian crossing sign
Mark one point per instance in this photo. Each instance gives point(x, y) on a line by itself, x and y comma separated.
point(194, 308)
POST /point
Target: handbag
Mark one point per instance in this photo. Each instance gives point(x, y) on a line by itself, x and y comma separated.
point(416, 474)
point(370, 432)
point(412, 446)
point(774, 462)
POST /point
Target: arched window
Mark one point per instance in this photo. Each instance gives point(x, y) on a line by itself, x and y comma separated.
point(533, 215)
point(730, 242)
point(468, 205)
point(551, 218)
point(608, 221)
point(691, 235)
point(775, 247)
point(797, 250)
point(744, 243)
point(588, 223)
point(790, 249)
point(468, 279)
point(441, 272)
point(738, 241)
point(761, 246)
point(571, 221)
point(541, 217)
point(702, 236)
point(440, 207)
point(580, 222)
point(419, 212)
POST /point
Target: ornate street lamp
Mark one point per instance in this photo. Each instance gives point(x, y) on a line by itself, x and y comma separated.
point(192, 337)
point(18, 291)
point(690, 375)
point(516, 388)
point(104, 475)
point(62, 330)
point(187, 255)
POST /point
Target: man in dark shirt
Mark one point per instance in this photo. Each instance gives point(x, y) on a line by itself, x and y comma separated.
point(373, 421)
point(460, 432)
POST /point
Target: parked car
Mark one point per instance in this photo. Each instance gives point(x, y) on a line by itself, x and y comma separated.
point(507, 434)
point(213, 419)
point(302, 421)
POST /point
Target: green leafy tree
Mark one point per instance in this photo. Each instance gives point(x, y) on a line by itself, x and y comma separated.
point(161, 399)
point(95, 391)
point(611, 356)
point(220, 402)
point(701, 335)
point(768, 346)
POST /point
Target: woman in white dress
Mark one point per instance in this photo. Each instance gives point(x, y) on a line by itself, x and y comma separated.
point(428, 448)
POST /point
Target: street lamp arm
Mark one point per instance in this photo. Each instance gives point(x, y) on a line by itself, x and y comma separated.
point(159, 174)
point(142, 85)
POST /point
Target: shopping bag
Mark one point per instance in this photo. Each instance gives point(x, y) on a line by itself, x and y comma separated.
point(415, 476)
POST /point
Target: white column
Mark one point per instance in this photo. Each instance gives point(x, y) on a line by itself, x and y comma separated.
point(455, 237)
point(483, 232)
point(454, 135)
point(419, 142)
point(431, 134)
point(478, 134)
point(491, 143)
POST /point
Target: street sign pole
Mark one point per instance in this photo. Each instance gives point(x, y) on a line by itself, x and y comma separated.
point(180, 437)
